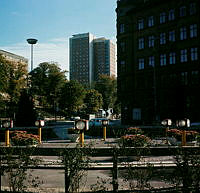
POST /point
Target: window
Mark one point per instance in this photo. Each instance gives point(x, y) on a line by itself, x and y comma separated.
point(163, 59)
point(141, 43)
point(171, 15)
point(172, 36)
point(151, 41)
point(183, 33)
point(194, 54)
point(141, 24)
point(184, 55)
point(195, 77)
point(141, 64)
point(162, 17)
point(151, 61)
point(122, 46)
point(162, 38)
point(193, 30)
point(192, 8)
point(122, 65)
point(136, 114)
point(182, 11)
point(184, 78)
point(172, 58)
point(150, 21)
point(122, 28)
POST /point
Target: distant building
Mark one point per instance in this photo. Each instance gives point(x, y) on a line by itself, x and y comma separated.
point(81, 58)
point(13, 57)
point(158, 49)
point(104, 58)
point(90, 57)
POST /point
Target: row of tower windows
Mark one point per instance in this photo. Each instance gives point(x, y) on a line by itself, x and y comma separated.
point(183, 35)
point(172, 58)
point(163, 16)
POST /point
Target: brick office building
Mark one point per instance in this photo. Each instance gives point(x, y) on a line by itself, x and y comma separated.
point(158, 49)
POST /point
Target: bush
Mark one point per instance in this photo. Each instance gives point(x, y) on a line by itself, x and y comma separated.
point(134, 140)
point(134, 130)
point(190, 135)
point(19, 138)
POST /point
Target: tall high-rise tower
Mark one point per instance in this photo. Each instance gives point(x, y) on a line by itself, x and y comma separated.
point(81, 58)
point(90, 57)
point(104, 58)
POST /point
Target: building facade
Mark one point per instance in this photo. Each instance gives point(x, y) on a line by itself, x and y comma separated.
point(90, 57)
point(104, 58)
point(13, 57)
point(158, 49)
point(81, 58)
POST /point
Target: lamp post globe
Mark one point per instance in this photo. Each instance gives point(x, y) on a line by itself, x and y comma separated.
point(32, 41)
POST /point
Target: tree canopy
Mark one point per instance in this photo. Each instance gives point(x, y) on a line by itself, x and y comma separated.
point(46, 83)
point(13, 76)
point(93, 101)
point(107, 86)
point(72, 95)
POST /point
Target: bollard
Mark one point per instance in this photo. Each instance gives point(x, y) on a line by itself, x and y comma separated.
point(183, 143)
point(104, 133)
point(81, 138)
point(7, 138)
point(166, 131)
point(40, 124)
point(40, 134)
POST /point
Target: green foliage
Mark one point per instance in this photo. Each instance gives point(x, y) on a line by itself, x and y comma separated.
point(75, 160)
point(138, 178)
point(19, 178)
point(93, 101)
point(26, 114)
point(136, 140)
point(12, 80)
point(107, 86)
point(187, 172)
point(46, 83)
point(72, 96)
point(101, 185)
point(23, 138)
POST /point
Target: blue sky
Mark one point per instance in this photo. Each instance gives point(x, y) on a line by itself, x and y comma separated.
point(53, 22)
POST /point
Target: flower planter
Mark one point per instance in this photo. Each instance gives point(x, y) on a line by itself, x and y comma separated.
point(22, 138)
point(134, 141)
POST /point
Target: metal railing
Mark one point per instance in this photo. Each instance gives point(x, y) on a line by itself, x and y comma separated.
point(113, 152)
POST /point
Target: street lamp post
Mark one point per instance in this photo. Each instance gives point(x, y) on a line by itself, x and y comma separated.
point(183, 124)
point(104, 122)
point(81, 125)
point(40, 124)
point(32, 41)
point(166, 123)
point(7, 125)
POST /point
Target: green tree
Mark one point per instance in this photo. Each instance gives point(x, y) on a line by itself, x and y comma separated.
point(12, 79)
point(26, 115)
point(93, 101)
point(46, 83)
point(107, 86)
point(72, 96)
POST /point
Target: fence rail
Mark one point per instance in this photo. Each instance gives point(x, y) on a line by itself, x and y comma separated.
point(115, 153)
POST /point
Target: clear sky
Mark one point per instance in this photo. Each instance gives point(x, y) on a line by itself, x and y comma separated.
point(53, 22)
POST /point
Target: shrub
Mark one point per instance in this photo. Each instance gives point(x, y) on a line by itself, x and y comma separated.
point(134, 130)
point(190, 135)
point(23, 138)
point(134, 140)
